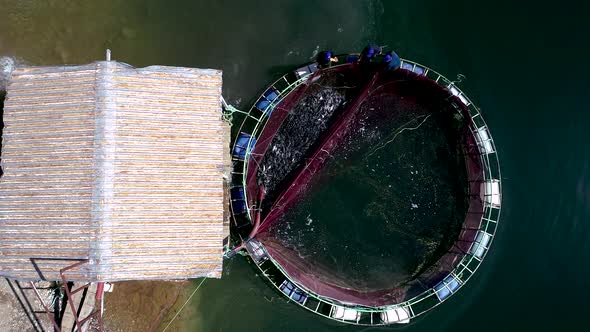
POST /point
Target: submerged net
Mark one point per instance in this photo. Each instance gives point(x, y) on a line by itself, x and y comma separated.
point(365, 184)
point(296, 127)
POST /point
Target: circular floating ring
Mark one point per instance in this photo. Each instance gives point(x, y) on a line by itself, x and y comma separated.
point(488, 182)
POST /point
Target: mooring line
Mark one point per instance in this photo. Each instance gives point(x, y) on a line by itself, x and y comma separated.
point(185, 303)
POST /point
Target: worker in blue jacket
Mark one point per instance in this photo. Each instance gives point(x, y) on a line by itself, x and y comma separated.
point(391, 60)
point(325, 59)
point(369, 53)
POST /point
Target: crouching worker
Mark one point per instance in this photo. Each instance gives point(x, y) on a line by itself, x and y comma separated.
point(325, 59)
point(369, 53)
point(391, 60)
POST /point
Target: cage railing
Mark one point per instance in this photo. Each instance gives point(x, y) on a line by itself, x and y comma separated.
point(467, 266)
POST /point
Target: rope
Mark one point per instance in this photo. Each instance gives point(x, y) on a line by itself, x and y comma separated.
point(460, 79)
point(185, 303)
point(399, 132)
point(232, 110)
point(229, 110)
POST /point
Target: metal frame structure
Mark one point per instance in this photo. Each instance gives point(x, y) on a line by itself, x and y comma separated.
point(79, 322)
point(403, 312)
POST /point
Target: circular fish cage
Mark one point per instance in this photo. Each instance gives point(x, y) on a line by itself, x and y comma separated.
point(277, 163)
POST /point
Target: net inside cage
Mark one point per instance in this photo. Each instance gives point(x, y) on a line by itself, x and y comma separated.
point(363, 181)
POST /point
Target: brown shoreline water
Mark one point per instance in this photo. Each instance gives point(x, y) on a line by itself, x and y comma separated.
point(150, 306)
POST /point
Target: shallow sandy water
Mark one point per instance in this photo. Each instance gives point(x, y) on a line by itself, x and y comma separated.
point(149, 306)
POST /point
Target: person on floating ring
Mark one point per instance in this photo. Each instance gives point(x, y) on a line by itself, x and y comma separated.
point(325, 59)
point(391, 60)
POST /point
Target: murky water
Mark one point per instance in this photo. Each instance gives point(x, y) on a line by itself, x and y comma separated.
point(388, 203)
point(525, 66)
